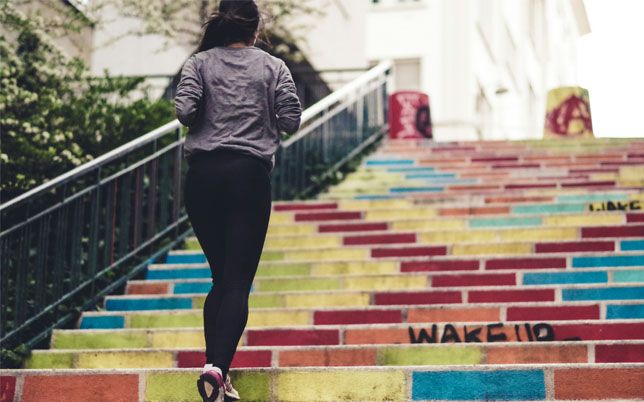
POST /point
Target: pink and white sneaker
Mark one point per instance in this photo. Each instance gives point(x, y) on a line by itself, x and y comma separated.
point(231, 393)
point(211, 386)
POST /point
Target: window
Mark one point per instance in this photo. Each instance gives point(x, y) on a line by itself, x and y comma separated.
point(407, 74)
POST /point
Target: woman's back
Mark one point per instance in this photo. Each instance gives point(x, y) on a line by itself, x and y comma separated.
point(230, 98)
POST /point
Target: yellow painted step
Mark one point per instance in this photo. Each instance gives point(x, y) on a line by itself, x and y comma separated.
point(303, 242)
point(585, 220)
point(539, 234)
point(355, 268)
point(327, 300)
point(492, 249)
point(326, 255)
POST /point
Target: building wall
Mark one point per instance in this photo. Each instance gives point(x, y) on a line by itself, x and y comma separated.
point(135, 55)
point(74, 44)
point(486, 64)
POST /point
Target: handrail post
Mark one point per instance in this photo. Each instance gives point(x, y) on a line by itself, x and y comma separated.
point(177, 179)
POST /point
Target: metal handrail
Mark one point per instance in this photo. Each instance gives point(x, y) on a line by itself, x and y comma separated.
point(328, 101)
point(95, 163)
point(112, 213)
point(331, 131)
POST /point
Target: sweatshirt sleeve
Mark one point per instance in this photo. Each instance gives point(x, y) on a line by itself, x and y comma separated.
point(189, 92)
point(287, 104)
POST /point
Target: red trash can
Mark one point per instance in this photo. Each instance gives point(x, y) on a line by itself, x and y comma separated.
point(409, 115)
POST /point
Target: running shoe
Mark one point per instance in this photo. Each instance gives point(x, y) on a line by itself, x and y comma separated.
point(211, 386)
point(231, 393)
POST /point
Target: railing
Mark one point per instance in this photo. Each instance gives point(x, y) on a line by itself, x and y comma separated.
point(80, 236)
point(333, 130)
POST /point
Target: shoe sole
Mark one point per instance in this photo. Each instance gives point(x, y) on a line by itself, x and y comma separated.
point(201, 387)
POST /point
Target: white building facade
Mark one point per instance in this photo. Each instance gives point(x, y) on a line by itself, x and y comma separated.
point(485, 64)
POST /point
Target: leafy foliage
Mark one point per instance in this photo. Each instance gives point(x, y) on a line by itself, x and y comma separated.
point(54, 115)
point(180, 21)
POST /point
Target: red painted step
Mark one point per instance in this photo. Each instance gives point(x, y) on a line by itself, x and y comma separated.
point(575, 246)
point(328, 216)
point(630, 162)
point(619, 354)
point(504, 296)
point(380, 239)
point(357, 317)
point(497, 159)
point(442, 265)
point(635, 217)
point(594, 332)
point(304, 207)
point(402, 298)
point(353, 227)
point(590, 184)
point(243, 358)
point(613, 231)
point(474, 280)
point(559, 313)
point(525, 263)
point(65, 388)
point(292, 337)
point(7, 388)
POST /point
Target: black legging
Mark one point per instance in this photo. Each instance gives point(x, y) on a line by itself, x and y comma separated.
point(228, 201)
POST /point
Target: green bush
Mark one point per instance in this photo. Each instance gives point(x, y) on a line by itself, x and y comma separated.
point(53, 115)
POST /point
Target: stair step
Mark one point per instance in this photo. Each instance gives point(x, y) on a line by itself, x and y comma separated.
point(554, 262)
point(343, 356)
point(403, 280)
point(478, 382)
point(456, 251)
point(630, 309)
point(358, 334)
point(454, 295)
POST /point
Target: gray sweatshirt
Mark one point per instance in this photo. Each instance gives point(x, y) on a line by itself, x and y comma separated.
point(236, 98)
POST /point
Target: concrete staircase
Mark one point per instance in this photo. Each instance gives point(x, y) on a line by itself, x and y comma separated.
point(462, 271)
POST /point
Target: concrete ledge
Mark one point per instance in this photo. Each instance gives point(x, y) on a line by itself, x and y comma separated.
point(476, 382)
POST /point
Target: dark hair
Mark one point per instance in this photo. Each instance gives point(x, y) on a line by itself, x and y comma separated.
point(235, 21)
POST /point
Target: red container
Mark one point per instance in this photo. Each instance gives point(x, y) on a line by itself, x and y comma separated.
point(409, 115)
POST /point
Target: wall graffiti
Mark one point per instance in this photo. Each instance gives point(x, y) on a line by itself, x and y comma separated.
point(497, 332)
point(568, 113)
point(615, 206)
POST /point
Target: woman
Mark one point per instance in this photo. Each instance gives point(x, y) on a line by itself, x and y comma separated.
point(235, 98)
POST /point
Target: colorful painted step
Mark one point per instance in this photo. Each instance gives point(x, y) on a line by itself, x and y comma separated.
point(452, 383)
point(369, 334)
point(441, 248)
point(345, 356)
point(410, 264)
point(455, 295)
point(519, 265)
point(472, 312)
point(403, 280)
